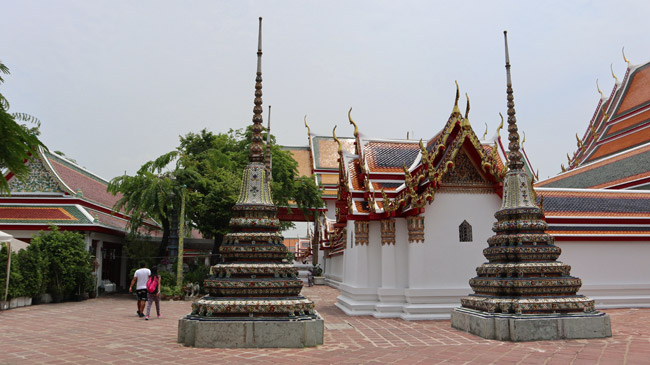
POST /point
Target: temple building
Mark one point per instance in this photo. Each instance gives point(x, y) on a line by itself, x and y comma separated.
point(407, 220)
point(60, 192)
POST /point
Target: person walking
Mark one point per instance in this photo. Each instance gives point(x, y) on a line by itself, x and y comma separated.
point(140, 278)
point(153, 292)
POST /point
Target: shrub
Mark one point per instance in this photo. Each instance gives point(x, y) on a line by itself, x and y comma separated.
point(16, 287)
point(197, 275)
point(31, 267)
point(68, 266)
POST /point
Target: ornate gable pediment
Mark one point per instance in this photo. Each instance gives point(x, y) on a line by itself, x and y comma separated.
point(464, 173)
point(40, 179)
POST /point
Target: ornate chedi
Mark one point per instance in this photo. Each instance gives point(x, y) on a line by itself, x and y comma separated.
point(254, 284)
point(522, 293)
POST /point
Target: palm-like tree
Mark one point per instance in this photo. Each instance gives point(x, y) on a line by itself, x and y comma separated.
point(151, 194)
point(17, 142)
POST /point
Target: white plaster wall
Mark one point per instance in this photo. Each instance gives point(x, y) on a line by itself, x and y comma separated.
point(614, 274)
point(442, 261)
point(335, 269)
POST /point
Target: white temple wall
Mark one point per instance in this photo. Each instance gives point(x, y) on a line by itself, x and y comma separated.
point(334, 270)
point(440, 268)
point(419, 280)
point(614, 274)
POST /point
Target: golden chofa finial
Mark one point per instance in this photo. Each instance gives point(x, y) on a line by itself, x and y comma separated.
point(611, 67)
point(625, 58)
point(307, 125)
point(340, 149)
point(599, 91)
point(500, 125)
point(563, 168)
point(467, 107)
point(356, 129)
point(456, 109)
point(485, 133)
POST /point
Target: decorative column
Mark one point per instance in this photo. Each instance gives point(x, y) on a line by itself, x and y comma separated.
point(416, 228)
point(387, 231)
point(360, 232)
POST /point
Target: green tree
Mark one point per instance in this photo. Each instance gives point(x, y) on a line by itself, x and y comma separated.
point(209, 166)
point(69, 266)
point(150, 194)
point(17, 142)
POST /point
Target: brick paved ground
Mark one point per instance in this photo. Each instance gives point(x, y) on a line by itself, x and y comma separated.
point(107, 330)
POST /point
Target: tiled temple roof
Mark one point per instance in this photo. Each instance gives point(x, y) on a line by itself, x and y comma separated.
point(43, 214)
point(595, 214)
point(627, 167)
point(60, 192)
point(621, 121)
point(390, 157)
point(614, 152)
point(92, 187)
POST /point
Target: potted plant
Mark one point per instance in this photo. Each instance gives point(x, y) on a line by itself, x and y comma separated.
point(317, 272)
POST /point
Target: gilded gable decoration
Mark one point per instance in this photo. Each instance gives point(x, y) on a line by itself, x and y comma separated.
point(415, 228)
point(387, 231)
point(361, 232)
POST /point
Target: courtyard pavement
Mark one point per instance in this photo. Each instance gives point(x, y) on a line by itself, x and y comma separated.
point(107, 330)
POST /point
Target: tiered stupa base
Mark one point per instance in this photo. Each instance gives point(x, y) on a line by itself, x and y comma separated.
point(531, 327)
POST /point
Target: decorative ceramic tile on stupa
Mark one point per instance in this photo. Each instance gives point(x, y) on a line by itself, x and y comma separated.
point(388, 231)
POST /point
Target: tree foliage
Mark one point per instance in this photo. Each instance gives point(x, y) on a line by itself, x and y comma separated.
point(67, 265)
point(208, 167)
point(17, 141)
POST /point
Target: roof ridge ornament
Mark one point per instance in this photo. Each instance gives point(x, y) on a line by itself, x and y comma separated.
point(307, 125)
point(625, 58)
point(602, 97)
point(617, 82)
point(500, 126)
point(456, 109)
point(514, 156)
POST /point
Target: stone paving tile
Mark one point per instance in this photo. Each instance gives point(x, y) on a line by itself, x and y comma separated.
point(107, 330)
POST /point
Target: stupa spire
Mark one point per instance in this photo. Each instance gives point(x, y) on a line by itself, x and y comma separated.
point(514, 156)
point(257, 142)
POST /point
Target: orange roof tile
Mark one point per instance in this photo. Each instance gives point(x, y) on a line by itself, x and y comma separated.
point(638, 90)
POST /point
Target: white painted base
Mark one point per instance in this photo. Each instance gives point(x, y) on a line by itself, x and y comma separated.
point(407, 304)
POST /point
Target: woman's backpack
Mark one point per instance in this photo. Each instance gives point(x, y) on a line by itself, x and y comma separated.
point(152, 285)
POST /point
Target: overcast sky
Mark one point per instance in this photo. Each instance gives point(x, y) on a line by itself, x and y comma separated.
point(115, 83)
